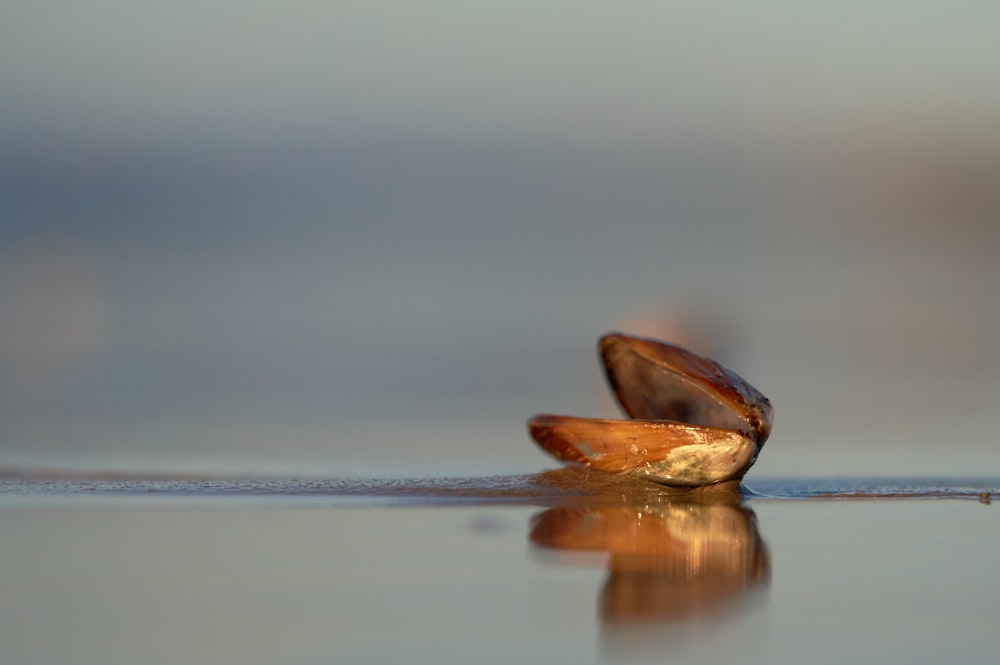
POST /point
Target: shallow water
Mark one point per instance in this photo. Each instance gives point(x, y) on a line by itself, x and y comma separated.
point(552, 567)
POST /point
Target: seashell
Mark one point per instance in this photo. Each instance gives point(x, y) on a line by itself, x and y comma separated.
point(694, 422)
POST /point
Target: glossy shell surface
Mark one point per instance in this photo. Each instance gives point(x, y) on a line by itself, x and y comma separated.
point(693, 421)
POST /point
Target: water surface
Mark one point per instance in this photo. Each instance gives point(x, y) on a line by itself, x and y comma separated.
point(551, 567)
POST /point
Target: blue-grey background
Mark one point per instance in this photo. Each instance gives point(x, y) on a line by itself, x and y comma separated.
point(373, 238)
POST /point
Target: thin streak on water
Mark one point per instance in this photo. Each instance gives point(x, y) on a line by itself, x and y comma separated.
point(562, 487)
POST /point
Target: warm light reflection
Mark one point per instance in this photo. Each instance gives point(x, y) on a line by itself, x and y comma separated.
point(667, 562)
point(52, 312)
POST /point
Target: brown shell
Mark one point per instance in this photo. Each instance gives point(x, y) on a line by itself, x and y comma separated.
point(696, 422)
point(658, 381)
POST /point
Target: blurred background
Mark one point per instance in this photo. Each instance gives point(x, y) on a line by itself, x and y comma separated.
point(372, 238)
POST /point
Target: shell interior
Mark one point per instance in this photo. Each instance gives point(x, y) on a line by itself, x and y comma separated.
point(694, 422)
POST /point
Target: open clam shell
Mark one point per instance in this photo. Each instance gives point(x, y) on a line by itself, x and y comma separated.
point(694, 421)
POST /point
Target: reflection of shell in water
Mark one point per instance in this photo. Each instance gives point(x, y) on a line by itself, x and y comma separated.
point(667, 562)
point(695, 422)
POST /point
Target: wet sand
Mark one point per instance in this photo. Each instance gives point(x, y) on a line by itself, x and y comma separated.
point(555, 487)
point(555, 567)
